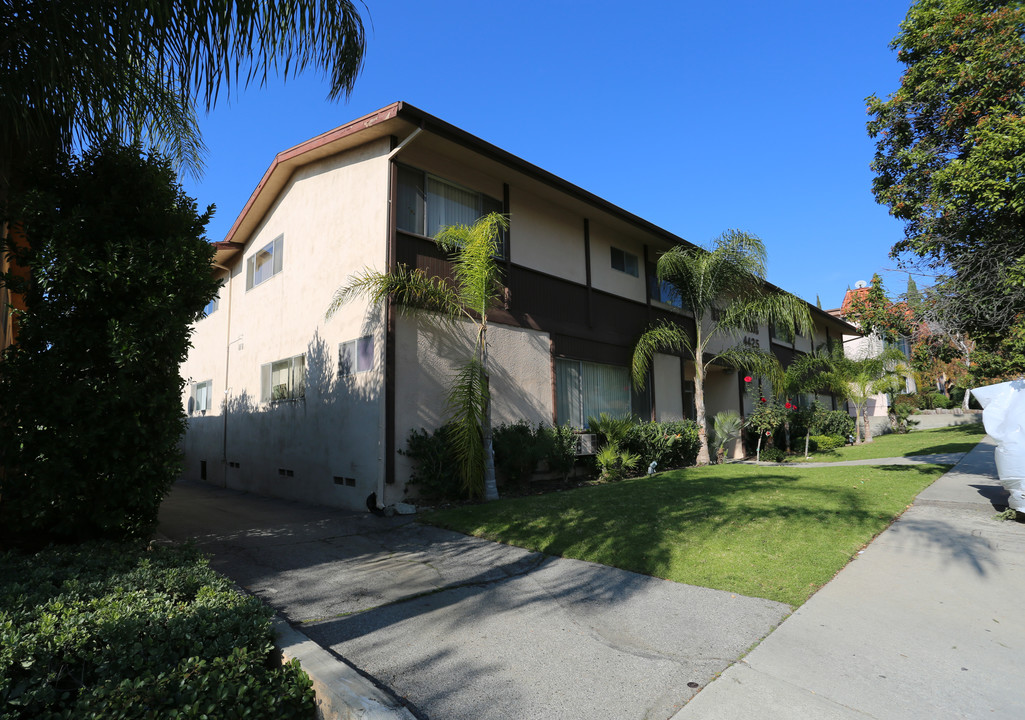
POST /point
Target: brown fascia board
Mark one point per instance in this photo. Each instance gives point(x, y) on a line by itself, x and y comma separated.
point(287, 161)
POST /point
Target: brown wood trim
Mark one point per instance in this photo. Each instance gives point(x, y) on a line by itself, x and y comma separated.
point(391, 261)
point(507, 254)
point(587, 271)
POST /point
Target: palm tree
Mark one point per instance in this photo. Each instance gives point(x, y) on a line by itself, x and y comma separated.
point(476, 288)
point(858, 380)
point(808, 373)
point(81, 71)
point(728, 279)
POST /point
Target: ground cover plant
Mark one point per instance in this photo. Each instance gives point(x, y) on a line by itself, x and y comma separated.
point(772, 532)
point(119, 631)
point(958, 438)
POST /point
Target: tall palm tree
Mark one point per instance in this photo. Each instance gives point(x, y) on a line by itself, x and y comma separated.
point(730, 280)
point(80, 71)
point(476, 289)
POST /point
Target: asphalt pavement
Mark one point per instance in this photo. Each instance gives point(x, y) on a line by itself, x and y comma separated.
point(925, 623)
point(459, 628)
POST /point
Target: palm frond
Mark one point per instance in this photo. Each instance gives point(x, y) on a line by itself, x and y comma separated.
point(662, 336)
point(412, 290)
point(753, 360)
point(473, 249)
point(467, 404)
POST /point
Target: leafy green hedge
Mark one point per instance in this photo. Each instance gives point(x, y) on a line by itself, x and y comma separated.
point(119, 631)
point(670, 444)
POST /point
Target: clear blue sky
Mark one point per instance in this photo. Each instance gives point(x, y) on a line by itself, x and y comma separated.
point(695, 117)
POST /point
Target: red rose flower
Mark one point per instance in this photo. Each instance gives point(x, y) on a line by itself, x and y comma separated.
point(788, 406)
point(764, 400)
point(747, 378)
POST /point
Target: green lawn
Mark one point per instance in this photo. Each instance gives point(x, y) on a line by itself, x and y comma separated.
point(960, 438)
point(771, 532)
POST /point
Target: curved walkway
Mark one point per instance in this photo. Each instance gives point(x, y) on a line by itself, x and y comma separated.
point(937, 459)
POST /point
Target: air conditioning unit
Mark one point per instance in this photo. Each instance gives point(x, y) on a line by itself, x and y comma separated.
point(587, 444)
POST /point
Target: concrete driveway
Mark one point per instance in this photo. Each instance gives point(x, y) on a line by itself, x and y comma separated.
point(460, 628)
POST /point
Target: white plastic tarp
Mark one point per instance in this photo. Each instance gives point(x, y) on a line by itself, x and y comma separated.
point(1003, 414)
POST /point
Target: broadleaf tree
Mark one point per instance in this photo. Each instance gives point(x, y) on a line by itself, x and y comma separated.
point(950, 157)
point(475, 289)
point(724, 288)
point(92, 411)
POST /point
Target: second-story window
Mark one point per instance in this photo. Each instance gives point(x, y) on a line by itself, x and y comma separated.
point(266, 263)
point(427, 203)
point(624, 261)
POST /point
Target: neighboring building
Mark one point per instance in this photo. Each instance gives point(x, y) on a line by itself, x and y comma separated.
point(283, 402)
point(858, 347)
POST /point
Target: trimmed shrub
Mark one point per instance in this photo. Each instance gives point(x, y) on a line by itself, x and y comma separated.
point(773, 454)
point(828, 442)
point(670, 444)
point(120, 631)
point(435, 466)
point(834, 422)
point(562, 450)
point(614, 464)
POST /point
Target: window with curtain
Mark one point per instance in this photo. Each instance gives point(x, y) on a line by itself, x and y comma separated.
point(202, 397)
point(586, 389)
point(427, 203)
point(356, 356)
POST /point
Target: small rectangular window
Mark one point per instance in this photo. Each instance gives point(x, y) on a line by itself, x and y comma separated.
point(624, 261)
point(201, 399)
point(266, 263)
point(356, 356)
point(283, 380)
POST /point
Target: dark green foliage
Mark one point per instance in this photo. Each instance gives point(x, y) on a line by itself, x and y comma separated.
point(834, 422)
point(92, 411)
point(900, 420)
point(113, 631)
point(910, 400)
point(950, 156)
point(435, 466)
point(519, 447)
point(828, 442)
point(562, 450)
point(773, 454)
point(670, 444)
point(610, 430)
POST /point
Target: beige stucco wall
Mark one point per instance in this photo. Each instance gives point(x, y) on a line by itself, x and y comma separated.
point(332, 215)
point(547, 237)
point(603, 276)
point(429, 355)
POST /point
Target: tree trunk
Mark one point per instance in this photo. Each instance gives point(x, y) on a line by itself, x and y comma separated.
point(699, 411)
point(807, 440)
point(868, 431)
point(490, 483)
point(758, 448)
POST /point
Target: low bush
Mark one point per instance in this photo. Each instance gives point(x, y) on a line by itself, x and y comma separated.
point(910, 400)
point(900, 418)
point(614, 463)
point(773, 454)
point(117, 631)
point(827, 442)
point(562, 451)
point(435, 467)
point(669, 444)
point(834, 422)
point(519, 447)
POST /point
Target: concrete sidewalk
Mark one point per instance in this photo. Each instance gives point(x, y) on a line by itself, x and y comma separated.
point(925, 623)
point(459, 628)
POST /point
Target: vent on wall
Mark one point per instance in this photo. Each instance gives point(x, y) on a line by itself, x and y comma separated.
point(286, 473)
point(346, 481)
point(202, 469)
